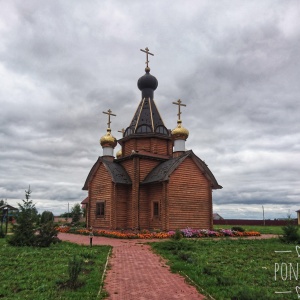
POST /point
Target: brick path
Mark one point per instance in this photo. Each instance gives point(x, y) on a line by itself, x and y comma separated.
point(136, 273)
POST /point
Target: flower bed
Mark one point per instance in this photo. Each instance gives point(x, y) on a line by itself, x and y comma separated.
point(187, 233)
point(197, 233)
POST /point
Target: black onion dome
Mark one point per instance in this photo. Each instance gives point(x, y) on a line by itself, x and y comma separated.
point(147, 84)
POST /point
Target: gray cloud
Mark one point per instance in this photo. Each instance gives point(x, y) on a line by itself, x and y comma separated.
point(235, 64)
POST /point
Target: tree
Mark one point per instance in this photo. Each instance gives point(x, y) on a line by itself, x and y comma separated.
point(47, 216)
point(23, 231)
point(290, 232)
point(47, 234)
point(66, 215)
point(76, 213)
point(2, 202)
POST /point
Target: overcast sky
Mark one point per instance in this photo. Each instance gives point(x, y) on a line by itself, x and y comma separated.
point(236, 64)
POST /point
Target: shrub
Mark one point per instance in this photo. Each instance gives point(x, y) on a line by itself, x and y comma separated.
point(177, 235)
point(47, 216)
point(47, 235)
point(238, 228)
point(74, 269)
point(290, 233)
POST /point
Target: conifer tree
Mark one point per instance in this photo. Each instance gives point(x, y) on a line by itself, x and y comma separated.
point(47, 216)
point(76, 213)
point(23, 231)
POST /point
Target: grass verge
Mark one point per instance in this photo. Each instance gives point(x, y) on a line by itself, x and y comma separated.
point(40, 273)
point(261, 229)
point(235, 269)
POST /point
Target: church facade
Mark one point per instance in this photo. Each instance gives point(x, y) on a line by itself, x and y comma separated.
point(153, 182)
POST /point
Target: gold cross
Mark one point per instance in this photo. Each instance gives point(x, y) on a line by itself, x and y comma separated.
point(147, 52)
point(179, 103)
point(109, 113)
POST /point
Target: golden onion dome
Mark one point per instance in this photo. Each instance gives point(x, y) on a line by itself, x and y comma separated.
point(119, 153)
point(180, 133)
point(108, 140)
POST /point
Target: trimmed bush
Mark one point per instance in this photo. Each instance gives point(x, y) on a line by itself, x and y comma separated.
point(238, 228)
point(47, 216)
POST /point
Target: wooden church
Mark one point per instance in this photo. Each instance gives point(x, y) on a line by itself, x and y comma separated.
point(153, 182)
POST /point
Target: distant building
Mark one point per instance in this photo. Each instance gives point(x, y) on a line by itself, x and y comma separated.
point(153, 182)
point(217, 217)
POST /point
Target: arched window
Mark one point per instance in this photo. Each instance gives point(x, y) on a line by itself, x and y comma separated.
point(162, 130)
point(128, 131)
point(143, 129)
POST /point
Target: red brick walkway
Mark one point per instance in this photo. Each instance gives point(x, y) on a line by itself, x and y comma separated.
point(136, 273)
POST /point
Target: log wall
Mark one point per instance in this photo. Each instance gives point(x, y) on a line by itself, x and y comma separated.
point(189, 198)
point(100, 189)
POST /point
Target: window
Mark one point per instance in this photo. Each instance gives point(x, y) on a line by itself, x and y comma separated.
point(161, 129)
point(155, 209)
point(100, 209)
point(143, 129)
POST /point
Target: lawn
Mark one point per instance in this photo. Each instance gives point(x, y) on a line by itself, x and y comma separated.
point(40, 273)
point(235, 269)
point(261, 229)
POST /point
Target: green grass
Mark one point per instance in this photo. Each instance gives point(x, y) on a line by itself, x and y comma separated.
point(233, 269)
point(36, 273)
point(9, 227)
point(261, 229)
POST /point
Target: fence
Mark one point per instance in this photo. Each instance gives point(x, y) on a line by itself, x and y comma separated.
point(254, 222)
point(66, 220)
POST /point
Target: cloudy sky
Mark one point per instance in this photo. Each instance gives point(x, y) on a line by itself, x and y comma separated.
point(236, 64)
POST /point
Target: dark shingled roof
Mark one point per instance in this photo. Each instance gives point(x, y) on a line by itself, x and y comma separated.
point(147, 120)
point(163, 171)
point(116, 171)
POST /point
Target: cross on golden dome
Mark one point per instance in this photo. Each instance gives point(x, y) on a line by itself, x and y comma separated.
point(109, 113)
point(147, 52)
point(179, 103)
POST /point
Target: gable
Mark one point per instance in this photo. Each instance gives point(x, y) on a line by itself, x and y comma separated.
point(163, 171)
point(117, 173)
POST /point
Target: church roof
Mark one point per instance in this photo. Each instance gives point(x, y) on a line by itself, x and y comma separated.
point(163, 171)
point(116, 171)
point(147, 119)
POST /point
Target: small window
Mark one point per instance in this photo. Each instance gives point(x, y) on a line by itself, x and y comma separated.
point(155, 209)
point(100, 209)
point(161, 129)
point(143, 129)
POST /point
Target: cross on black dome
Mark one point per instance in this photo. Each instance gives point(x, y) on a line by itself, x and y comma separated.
point(147, 118)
